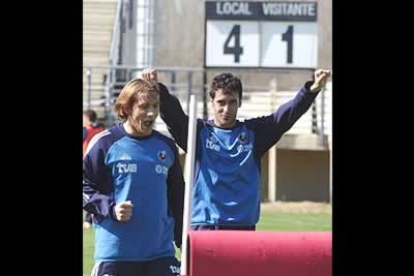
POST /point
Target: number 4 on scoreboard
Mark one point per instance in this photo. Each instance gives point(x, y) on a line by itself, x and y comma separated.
point(236, 50)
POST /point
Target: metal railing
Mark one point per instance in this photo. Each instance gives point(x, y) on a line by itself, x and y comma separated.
point(184, 81)
point(113, 55)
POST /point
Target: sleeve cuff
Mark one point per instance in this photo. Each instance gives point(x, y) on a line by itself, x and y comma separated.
point(112, 212)
point(308, 85)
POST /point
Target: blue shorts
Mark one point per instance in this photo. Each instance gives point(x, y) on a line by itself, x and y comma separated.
point(168, 266)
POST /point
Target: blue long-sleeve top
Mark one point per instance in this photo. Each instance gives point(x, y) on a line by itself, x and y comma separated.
point(227, 169)
point(118, 167)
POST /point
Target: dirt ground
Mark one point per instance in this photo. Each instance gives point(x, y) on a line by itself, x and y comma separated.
point(305, 207)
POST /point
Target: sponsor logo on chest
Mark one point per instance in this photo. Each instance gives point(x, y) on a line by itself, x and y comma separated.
point(243, 143)
point(126, 168)
point(211, 143)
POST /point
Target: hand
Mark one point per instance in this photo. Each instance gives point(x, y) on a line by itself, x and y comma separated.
point(123, 211)
point(86, 225)
point(150, 75)
point(321, 77)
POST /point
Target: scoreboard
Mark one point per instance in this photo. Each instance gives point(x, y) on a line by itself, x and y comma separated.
point(261, 34)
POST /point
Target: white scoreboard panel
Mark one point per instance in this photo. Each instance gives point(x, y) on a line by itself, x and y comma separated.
point(261, 34)
point(227, 46)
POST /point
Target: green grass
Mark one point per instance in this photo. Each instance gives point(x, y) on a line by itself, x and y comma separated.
point(269, 221)
point(273, 221)
point(88, 250)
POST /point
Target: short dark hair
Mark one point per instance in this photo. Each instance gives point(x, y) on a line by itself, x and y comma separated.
point(228, 83)
point(91, 115)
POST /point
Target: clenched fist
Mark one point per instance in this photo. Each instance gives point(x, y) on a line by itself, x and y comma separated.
point(150, 76)
point(123, 211)
point(321, 77)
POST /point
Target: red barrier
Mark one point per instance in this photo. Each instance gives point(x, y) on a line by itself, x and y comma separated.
point(256, 253)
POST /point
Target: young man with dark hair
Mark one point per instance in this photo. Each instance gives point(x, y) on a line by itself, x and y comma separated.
point(226, 193)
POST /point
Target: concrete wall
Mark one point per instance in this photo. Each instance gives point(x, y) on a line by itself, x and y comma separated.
point(302, 175)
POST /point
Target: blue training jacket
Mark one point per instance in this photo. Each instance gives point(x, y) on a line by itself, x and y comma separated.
point(118, 167)
point(227, 176)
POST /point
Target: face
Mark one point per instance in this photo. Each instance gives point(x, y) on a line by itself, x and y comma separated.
point(86, 121)
point(144, 113)
point(225, 109)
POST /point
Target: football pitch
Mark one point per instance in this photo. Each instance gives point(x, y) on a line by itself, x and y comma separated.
point(272, 219)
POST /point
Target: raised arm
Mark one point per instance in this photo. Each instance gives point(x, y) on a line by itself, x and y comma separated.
point(269, 129)
point(170, 110)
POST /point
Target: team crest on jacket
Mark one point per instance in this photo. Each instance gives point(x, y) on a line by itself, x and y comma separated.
point(243, 138)
point(162, 155)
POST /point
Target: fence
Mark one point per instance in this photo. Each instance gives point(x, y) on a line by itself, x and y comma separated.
point(182, 82)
